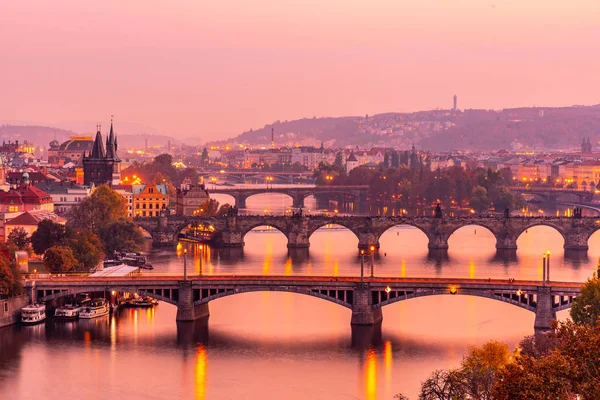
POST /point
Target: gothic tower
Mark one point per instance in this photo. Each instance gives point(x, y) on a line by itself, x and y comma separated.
point(102, 167)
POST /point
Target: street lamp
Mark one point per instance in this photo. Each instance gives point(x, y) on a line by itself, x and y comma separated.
point(544, 269)
point(548, 265)
point(185, 264)
point(329, 178)
point(372, 248)
point(362, 266)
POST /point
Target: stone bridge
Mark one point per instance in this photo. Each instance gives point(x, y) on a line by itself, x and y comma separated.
point(297, 193)
point(551, 195)
point(298, 229)
point(365, 298)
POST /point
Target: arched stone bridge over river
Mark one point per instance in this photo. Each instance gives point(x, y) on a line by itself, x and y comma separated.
point(231, 230)
point(365, 298)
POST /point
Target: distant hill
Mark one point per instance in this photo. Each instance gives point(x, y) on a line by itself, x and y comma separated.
point(39, 135)
point(442, 130)
point(43, 135)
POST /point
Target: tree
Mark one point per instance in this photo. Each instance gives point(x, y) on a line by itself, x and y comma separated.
point(48, 234)
point(586, 308)
point(443, 385)
point(7, 278)
point(480, 367)
point(59, 259)
point(209, 207)
point(339, 161)
point(87, 249)
point(121, 236)
point(479, 200)
point(571, 369)
point(19, 238)
point(101, 208)
point(204, 157)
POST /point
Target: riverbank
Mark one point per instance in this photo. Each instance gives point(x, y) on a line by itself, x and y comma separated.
point(10, 310)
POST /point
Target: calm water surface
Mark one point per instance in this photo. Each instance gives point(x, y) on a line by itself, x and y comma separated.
point(284, 345)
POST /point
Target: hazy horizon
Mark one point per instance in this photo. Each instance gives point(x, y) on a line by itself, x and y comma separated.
point(215, 70)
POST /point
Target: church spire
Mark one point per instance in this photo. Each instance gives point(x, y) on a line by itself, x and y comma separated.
point(111, 144)
point(98, 148)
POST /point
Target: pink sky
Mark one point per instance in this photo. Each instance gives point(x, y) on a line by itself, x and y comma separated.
point(214, 68)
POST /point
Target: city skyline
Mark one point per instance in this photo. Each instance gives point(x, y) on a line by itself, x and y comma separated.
point(210, 72)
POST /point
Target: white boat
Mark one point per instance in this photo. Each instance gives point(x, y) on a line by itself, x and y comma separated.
point(33, 313)
point(68, 311)
point(94, 308)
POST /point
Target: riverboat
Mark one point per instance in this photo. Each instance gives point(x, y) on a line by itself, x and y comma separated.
point(94, 308)
point(33, 314)
point(68, 311)
point(132, 259)
point(144, 302)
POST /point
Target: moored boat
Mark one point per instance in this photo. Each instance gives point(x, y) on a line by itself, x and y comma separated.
point(132, 259)
point(67, 311)
point(94, 308)
point(33, 313)
point(142, 302)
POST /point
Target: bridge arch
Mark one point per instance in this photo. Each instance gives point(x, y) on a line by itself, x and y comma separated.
point(540, 222)
point(247, 229)
point(269, 192)
point(403, 223)
point(506, 297)
point(342, 297)
point(108, 288)
point(334, 221)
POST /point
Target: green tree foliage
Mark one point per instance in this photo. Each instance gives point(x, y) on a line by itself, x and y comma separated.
point(87, 249)
point(48, 234)
point(19, 238)
point(339, 161)
point(121, 236)
point(102, 207)
point(59, 259)
point(479, 200)
point(586, 308)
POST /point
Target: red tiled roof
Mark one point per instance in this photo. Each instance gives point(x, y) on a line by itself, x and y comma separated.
point(25, 194)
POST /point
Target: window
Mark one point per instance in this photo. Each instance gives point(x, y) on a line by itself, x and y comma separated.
point(143, 213)
point(6, 307)
point(144, 206)
point(150, 190)
point(13, 208)
point(137, 206)
point(150, 206)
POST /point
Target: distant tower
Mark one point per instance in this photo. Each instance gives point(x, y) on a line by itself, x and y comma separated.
point(146, 145)
point(586, 146)
point(168, 146)
point(455, 98)
point(272, 137)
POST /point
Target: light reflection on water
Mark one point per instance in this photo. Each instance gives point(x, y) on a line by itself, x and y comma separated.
point(286, 345)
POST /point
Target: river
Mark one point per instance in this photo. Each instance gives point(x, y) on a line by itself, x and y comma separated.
point(284, 345)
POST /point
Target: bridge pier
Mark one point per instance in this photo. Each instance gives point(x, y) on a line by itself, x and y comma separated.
point(231, 238)
point(363, 312)
point(298, 201)
point(366, 240)
point(186, 310)
point(437, 241)
point(544, 313)
point(505, 242)
point(240, 200)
